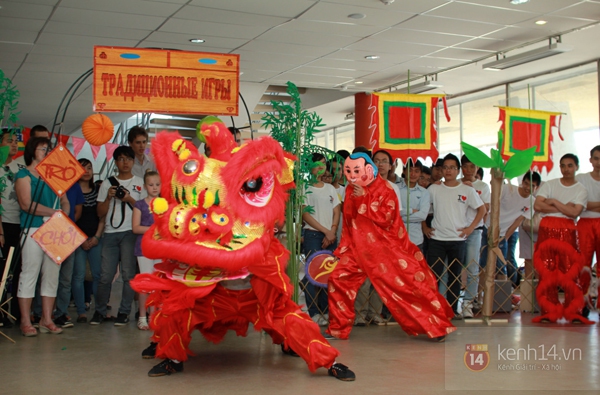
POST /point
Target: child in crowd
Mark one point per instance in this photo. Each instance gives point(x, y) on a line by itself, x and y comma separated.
point(142, 219)
point(320, 231)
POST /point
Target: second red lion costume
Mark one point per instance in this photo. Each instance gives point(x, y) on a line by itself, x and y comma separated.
point(375, 244)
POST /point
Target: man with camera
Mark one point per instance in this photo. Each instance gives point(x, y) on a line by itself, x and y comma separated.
point(116, 198)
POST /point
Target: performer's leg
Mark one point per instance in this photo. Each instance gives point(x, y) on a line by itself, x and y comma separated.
point(302, 335)
point(588, 232)
point(409, 290)
point(344, 283)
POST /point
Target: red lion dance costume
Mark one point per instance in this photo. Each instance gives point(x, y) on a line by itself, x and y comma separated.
point(559, 265)
point(214, 225)
point(375, 244)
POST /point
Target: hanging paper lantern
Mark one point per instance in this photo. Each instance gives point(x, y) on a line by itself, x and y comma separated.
point(97, 129)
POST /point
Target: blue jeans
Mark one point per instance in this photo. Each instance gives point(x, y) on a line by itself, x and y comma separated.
point(316, 297)
point(454, 251)
point(471, 264)
point(63, 295)
point(117, 247)
point(94, 256)
point(509, 254)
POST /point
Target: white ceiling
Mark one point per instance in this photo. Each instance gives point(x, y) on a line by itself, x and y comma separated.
point(45, 45)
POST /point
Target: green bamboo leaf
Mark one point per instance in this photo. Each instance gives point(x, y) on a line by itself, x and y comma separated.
point(497, 158)
point(4, 154)
point(476, 156)
point(519, 163)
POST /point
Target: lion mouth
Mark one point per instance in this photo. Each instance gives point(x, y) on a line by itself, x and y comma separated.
point(194, 276)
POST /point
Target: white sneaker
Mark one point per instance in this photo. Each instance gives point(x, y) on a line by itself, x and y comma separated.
point(467, 310)
point(321, 319)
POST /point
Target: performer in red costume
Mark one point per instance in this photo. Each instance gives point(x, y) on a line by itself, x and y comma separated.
point(375, 244)
point(557, 258)
point(588, 226)
point(222, 266)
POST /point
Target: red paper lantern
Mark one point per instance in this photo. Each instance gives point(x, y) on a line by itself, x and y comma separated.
point(97, 129)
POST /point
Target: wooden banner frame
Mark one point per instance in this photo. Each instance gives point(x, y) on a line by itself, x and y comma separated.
point(165, 81)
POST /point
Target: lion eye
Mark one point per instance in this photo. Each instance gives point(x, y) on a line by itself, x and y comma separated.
point(190, 167)
point(253, 185)
point(258, 191)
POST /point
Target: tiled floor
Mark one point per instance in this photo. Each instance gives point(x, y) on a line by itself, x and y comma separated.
point(105, 359)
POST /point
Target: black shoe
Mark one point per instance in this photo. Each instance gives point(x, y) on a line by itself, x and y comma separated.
point(289, 351)
point(97, 319)
point(327, 336)
point(457, 317)
point(341, 372)
point(63, 321)
point(585, 312)
point(150, 351)
point(35, 322)
point(439, 339)
point(122, 319)
point(165, 368)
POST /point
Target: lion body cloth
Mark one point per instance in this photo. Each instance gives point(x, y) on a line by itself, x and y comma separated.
point(222, 268)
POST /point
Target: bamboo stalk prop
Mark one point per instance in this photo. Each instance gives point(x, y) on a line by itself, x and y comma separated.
point(516, 165)
point(294, 128)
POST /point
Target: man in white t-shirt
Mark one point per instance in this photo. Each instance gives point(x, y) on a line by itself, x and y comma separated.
point(115, 202)
point(450, 228)
point(516, 205)
point(588, 226)
point(560, 201)
point(471, 262)
point(419, 201)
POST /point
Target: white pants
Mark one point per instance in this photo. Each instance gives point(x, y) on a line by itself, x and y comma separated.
point(35, 260)
point(146, 265)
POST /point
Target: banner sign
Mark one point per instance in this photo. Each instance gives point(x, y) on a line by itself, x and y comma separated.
point(404, 125)
point(165, 81)
point(524, 129)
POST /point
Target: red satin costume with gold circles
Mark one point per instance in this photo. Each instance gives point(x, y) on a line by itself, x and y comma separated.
point(559, 265)
point(214, 225)
point(375, 244)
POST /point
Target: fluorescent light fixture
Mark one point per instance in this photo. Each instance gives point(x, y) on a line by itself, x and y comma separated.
point(197, 40)
point(421, 87)
point(372, 57)
point(516, 2)
point(540, 22)
point(526, 57)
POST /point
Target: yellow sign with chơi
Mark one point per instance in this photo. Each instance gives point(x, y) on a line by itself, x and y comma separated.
point(165, 81)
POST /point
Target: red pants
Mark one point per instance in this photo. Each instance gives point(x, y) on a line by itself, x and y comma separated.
point(409, 292)
point(559, 263)
point(221, 310)
point(588, 230)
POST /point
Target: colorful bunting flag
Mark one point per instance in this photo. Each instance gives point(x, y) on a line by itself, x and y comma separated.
point(110, 148)
point(78, 144)
point(524, 129)
point(404, 124)
point(95, 150)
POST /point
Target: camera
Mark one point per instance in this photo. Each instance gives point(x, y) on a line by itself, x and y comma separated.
point(120, 192)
